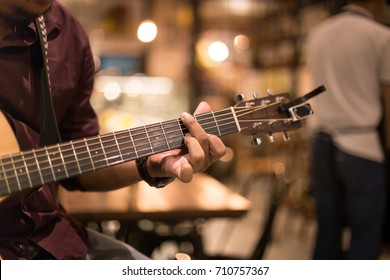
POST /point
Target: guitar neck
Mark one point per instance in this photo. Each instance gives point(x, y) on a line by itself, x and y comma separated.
point(29, 169)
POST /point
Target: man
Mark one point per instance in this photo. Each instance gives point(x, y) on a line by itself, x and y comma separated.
point(32, 224)
point(350, 54)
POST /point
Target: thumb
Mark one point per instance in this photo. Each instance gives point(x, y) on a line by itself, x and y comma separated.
point(185, 171)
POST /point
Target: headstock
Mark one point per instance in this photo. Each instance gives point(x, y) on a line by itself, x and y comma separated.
point(273, 113)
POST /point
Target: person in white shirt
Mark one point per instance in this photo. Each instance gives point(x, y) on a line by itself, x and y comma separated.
point(350, 54)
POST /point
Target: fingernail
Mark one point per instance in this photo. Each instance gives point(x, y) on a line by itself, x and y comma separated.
point(186, 115)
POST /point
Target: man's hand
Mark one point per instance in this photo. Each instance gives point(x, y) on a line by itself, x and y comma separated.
point(201, 151)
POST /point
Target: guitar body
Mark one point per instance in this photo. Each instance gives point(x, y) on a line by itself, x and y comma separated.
point(8, 143)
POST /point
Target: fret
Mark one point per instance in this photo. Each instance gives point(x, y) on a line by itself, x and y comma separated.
point(165, 136)
point(82, 156)
point(63, 161)
point(117, 147)
point(4, 185)
point(70, 159)
point(182, 128)
point(150, 143)
point(173, 134)
point(97, 153)
point(104, 157)
point(206, 123)
point(132, 141)
point(226, 122)
point(30, 183)
point(44, 165)
point(35, 173)
point(21, 173)
point(56, 162)
point(89, 154)
point(141, 142)
point(11, 174)
point(216, 124)
point(110, 148)
point(50, 165)
point(75, 164)
point(156, 138)
point(126, 145)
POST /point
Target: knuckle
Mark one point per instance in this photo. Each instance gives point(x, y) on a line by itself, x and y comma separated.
point(198, 159)
point(203, 138)
point(190, 120)
point(220, 152)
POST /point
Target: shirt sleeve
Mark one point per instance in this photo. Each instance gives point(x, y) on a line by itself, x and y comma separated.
point(80, 119)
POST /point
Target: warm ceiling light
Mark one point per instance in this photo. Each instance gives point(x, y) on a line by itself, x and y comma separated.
point(242, 42)
point(112, 91)
point(147, 31)
point(218, 51)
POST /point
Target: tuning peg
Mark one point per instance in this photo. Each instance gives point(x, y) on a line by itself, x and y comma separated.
point(271, 137)
point(269, 92)
point(240, 97)
point(256, 141)
point(255, 96)
point(286, 136)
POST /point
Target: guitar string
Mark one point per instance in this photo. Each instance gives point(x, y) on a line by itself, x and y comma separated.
point(134, 135)
point(49, 150)
point(106, 159)
point(49, 155)
point(56, 147)
point(110, 135)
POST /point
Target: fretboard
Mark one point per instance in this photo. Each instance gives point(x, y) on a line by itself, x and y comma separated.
point(34, 168)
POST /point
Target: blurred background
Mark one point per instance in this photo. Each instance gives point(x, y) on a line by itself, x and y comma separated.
point(157, 58)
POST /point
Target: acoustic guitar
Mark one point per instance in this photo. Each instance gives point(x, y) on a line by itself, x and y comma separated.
point(22, 170)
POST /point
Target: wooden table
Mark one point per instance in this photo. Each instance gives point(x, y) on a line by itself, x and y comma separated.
point(204, 197)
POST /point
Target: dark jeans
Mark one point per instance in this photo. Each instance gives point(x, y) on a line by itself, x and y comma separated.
point(349, 191)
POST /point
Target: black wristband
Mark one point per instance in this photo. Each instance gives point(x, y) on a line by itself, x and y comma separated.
point(158, 182)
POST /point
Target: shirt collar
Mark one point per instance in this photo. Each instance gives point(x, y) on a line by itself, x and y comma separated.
point(355, 9)
point(26, 35)
point(53, 27)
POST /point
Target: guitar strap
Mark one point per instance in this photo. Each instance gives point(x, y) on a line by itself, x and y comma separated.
point(49, 133)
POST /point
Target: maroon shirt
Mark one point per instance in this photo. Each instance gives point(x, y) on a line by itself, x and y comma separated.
point(36, 216)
